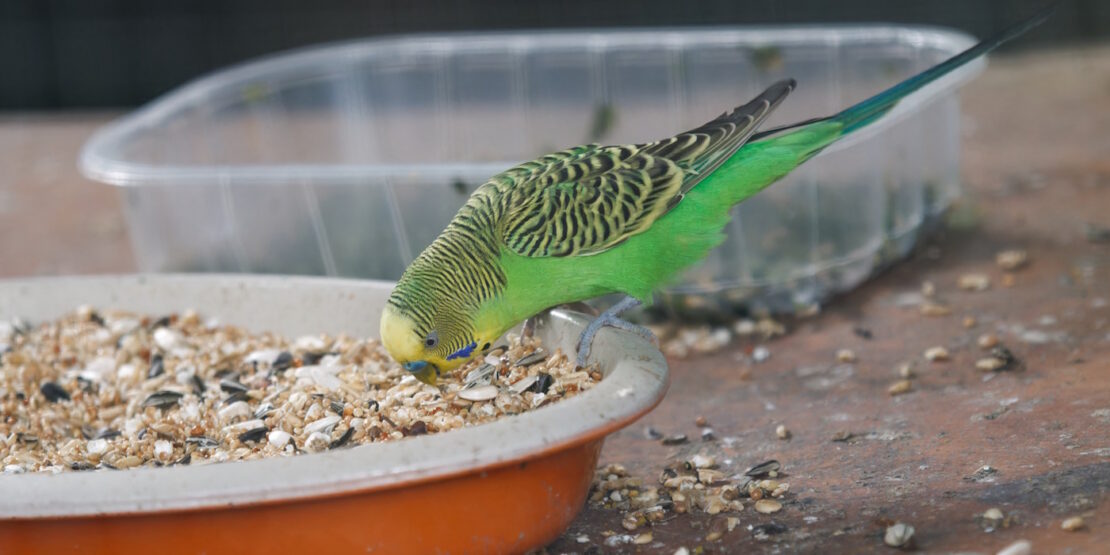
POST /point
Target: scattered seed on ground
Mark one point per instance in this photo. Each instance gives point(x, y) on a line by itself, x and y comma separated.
point(676, 439)
point(899, 387)
point(987, 341)
point(1012, 259)
point(898, 535)
point(1020, 547)
point(974, 282)
point(930, 308)
point(1073, 524)
point(936, 354)
point(782, 432)
point(845, 355)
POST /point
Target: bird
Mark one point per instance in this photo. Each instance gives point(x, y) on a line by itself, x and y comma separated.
point(595, 220)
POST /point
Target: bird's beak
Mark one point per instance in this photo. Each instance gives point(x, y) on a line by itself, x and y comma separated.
point(423, 371)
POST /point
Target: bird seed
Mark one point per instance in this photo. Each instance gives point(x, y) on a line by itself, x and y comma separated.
point(112, 389)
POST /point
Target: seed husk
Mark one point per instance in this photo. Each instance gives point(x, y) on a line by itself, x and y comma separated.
point(987, 341)
point(479, 393)
point(676, 439)
point(162, 399)
point(53, 392)
point(782, 432)
point(845, 355)
point(768, 506)
point(534, 358)
point(763, 469)
point(543, 383)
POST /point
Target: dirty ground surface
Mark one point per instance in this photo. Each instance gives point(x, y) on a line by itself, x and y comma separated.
point(1037, 171)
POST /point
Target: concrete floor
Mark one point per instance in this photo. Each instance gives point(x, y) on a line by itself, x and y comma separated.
point(1037, 168)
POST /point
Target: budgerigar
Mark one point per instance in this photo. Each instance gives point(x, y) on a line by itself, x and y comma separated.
point(593, 220)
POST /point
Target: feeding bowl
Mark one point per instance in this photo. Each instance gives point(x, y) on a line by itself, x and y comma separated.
point(502, 487)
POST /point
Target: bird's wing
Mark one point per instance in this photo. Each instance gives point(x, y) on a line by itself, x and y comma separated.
point(588, 199)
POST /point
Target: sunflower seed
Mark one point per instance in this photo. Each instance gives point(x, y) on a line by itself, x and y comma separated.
point(479, 376)
point(282, 363)
point(231, 386)
point(343, 439)
point(543, 383)
point(312, 359)
point(107, 433)
point(162, 399)
point(202, 442)
point(538, 356)
point(53, 392)
point(253, 435)
point(522, 385)
point(263, 410)
point(157, 366)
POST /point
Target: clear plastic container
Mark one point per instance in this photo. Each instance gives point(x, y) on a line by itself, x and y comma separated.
point(346, 160)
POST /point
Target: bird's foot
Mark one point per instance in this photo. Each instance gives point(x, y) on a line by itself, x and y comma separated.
point(610, 318)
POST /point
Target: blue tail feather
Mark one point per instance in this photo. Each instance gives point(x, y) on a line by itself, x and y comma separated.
point(869, 110)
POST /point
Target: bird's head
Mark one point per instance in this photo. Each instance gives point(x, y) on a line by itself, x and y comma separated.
point(425, 350)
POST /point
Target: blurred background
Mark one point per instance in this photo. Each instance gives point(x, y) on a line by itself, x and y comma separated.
point(121, 53)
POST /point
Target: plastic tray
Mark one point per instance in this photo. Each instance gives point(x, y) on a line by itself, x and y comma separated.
point(502, 487)
point(347, 160)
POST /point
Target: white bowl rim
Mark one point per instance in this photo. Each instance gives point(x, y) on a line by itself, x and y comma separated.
point(636, 378)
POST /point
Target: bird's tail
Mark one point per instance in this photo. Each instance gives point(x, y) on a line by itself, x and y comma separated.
point(867, 111)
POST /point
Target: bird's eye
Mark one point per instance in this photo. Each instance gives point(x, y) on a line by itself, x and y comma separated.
point(432, 340)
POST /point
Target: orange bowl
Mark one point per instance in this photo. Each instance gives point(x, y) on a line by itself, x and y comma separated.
point(503, 487)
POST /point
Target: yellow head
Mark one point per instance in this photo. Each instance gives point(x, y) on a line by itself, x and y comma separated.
point(426, 352)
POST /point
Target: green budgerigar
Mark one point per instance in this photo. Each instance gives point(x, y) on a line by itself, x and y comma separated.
point(593, 220)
